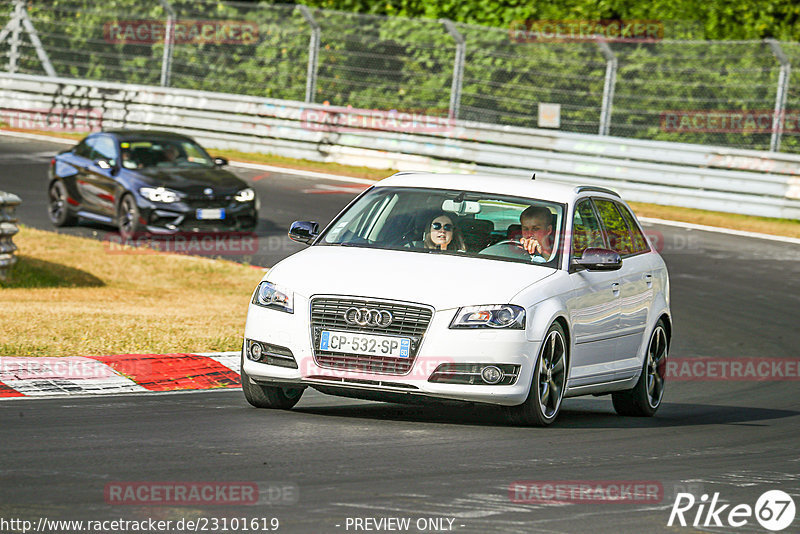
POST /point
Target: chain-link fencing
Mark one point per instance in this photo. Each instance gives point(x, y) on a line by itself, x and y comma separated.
point(670, 86)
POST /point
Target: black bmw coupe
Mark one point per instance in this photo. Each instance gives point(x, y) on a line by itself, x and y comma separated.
point(148, 181)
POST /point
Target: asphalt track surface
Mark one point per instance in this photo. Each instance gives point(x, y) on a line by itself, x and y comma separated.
point(342, 460)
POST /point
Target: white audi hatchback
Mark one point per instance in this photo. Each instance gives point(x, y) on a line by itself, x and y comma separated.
point(516, 293)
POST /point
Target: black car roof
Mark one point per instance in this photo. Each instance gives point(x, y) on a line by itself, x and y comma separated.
point(123, 135)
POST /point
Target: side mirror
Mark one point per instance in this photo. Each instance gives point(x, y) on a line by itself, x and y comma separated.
point(220, 162)
point(103, 164)
point(303, 231)
point(599, 259)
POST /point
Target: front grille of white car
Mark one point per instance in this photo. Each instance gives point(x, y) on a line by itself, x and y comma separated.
point(409, 320)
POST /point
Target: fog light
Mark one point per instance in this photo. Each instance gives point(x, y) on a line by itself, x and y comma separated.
point(491, 374)
point(255, 351)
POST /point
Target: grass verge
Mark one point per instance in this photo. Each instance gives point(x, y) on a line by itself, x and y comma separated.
point(67, 296)
point(747, 223)
point(765, 225)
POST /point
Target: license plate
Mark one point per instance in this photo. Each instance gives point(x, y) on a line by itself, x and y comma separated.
point(366, 344)
point(218, 213)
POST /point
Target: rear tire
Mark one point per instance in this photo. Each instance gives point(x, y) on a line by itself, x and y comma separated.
point(549, 382)
point(58, 206)
point(274, 397)
point(645, 397)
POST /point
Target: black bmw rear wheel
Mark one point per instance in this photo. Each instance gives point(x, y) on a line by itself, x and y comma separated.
point(58, 206)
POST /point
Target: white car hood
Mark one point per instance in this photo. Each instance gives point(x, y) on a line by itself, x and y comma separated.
point(439, 280)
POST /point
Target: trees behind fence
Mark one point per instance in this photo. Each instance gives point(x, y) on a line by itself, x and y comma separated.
point(671, 85)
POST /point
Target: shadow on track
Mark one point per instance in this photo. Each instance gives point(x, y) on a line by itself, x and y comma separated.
point(574, 414)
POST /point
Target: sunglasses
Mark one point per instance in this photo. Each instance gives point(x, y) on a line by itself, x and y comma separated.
point(438, 226)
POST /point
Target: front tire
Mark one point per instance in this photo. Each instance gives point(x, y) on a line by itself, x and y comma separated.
point(274, 397)
point(645, 397)
point(128, 217)
point(549, 381)
point(58, 205)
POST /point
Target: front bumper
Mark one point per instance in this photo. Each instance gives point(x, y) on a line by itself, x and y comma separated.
point(182, 216)
point(440, 345)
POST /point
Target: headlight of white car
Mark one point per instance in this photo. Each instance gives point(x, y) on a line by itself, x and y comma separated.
point(245, 195)
point(159, 194)
point(271, 295)
point(490, 316)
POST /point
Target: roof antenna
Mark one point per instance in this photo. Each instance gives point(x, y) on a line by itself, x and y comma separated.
point(533, 177)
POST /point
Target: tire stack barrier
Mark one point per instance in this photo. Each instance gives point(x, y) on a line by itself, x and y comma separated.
point(8, 228)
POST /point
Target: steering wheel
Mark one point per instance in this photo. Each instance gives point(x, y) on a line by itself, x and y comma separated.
point(508, 248)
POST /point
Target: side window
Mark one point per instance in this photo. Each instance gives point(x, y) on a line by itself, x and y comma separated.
point(84, 148)
point(585, 229)
point(105, 148)
point(639, 240)
point(619, 236)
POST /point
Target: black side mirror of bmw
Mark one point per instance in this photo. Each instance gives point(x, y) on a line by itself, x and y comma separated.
point(220, 162)
point(598, 259)
point(303, 231)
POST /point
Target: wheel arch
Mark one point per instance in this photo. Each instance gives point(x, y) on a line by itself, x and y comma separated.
point(562, 320)
point(667, 326)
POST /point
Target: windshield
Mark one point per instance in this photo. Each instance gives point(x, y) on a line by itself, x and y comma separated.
point(144, 154)
point(462, 223)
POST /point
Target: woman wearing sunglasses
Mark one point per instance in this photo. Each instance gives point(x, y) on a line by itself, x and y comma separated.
point(442, 234)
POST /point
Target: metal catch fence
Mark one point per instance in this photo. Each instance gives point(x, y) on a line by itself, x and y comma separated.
point(673, 86)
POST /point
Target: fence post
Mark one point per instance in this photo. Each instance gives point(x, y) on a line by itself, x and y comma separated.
point(8, 227)
point(313, 53)
point(458, 67)
point(16, 28)
point(169, 43)
point(780, 95)
point(37, 43)
point(608, 86)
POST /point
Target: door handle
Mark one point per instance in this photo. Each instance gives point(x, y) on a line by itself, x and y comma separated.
point(615, 288)
point(648, 278)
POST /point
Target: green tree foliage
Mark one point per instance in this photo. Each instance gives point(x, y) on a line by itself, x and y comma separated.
point(370, 60)
point(721, 19)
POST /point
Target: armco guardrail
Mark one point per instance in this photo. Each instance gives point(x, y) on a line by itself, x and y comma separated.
point(713, 178)
point(8, 228)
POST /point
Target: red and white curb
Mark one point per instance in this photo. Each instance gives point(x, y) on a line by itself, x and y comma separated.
point(120, 373)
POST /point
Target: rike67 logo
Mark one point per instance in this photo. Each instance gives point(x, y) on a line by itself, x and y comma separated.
point(774, 511)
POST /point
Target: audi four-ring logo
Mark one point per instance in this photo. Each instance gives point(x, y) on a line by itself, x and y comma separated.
point(368, 317)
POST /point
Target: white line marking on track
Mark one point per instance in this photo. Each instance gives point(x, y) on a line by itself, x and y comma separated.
point(37, 137)
point(301, 173)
